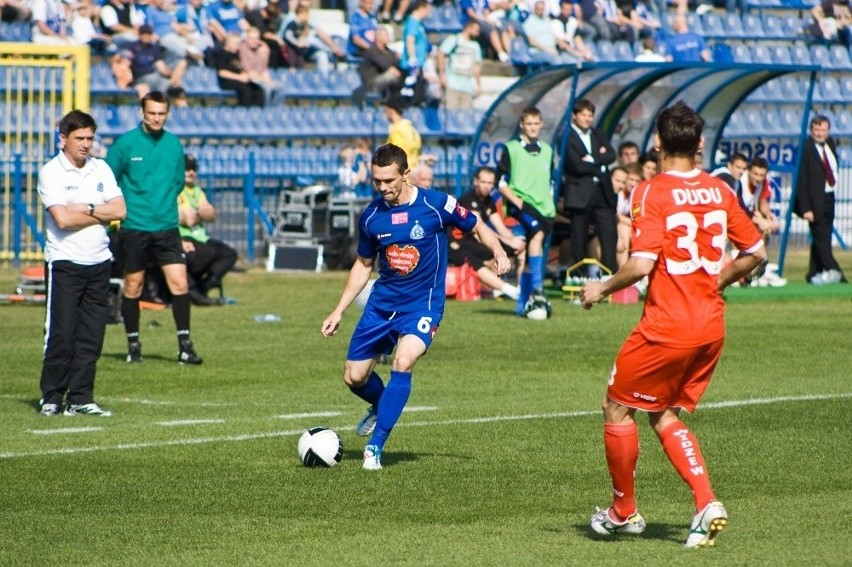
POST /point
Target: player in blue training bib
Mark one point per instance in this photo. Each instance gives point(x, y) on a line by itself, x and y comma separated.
point(406, 230)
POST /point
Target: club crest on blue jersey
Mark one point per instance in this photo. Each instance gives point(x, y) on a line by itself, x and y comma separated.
point(417, 232)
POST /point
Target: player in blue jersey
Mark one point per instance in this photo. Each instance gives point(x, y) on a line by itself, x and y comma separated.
point(406, 230)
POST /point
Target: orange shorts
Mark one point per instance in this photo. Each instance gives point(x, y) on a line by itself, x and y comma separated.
point(654, 377)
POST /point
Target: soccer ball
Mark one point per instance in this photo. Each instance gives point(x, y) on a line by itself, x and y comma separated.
point(320, 447)
point(361, 298)
point(538, 310)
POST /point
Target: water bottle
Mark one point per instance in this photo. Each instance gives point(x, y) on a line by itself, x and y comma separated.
point(267, 318)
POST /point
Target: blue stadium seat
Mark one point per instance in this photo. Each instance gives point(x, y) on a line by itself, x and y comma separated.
point(846, 87)
point(791, 26)
point(781, 55)
point(844, 156)
point(821, 56)
point(736, 124)
point(800, 54)
point(623, 51)
point(792, 89)
point(753, 26)
point(840, 58)
point(519, 51)
point(790, 121)
point(444, 19)
point(772, 27)
point(742, 53)
point(694, 22)
point(766, 91)
point(713, 26)
point(733, 26)
point(762, 54)
point(829, 90)
point(605, 51)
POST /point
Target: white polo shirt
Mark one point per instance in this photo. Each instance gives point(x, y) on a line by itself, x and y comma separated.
point(61, 183)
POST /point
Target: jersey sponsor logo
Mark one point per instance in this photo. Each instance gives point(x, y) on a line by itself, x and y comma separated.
point(461, 211)
point(451, 204)
point(399, 218)
point(136, 158)
point(402, 259)
point(384, 235)
point(645, 397)
point(417, 231)
point(697, 196)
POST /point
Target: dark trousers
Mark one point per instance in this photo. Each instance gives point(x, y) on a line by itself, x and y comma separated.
point(209, 263)
point(602, 215)
point(248, 94)
point(77, 313)
point(822, 258)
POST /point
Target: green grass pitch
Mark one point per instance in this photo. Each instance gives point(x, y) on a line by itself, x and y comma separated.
point(499, 460)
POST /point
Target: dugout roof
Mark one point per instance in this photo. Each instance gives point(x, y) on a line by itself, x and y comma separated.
point(627, 97)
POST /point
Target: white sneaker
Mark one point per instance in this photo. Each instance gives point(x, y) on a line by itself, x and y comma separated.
point(510, 291)
point(604, 525)
point(372, 458)
point(49, 410)
point(86, 409)
point(706, 525)
point(367, 424)
point(771, 279)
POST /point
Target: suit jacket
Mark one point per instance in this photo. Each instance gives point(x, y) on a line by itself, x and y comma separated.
point(579, 175)
point(810, 186)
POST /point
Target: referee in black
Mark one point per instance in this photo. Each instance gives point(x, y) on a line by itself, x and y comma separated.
point(81, 197)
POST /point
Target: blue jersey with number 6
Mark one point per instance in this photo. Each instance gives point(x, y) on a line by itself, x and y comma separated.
point(410, 241)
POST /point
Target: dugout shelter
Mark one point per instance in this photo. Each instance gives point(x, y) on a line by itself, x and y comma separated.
point(628, 96)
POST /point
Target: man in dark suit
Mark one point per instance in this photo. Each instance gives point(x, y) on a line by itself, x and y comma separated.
point(815, 189)
point(589, 197)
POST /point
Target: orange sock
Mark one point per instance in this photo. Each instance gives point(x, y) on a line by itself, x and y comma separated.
point(621, 444)
point(682, 449)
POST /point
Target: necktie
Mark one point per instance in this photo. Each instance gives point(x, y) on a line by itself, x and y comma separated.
point(829, 174)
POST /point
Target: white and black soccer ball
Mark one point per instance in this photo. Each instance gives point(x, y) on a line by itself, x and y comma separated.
point(361, 298)
point(538, 310)
point(320, 447)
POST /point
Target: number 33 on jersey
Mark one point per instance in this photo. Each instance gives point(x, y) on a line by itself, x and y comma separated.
point(683, 222)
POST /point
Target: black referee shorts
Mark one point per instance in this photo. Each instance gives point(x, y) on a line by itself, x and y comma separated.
point(139, 248)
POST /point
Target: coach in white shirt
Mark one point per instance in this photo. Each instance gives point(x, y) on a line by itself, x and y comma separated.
point(81, 198)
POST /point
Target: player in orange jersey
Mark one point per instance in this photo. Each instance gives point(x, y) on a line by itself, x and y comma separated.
point(682, 218)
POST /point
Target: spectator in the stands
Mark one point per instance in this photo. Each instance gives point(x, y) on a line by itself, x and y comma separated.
point(544, 46)
point(120, 19)
point(642, 17)
point(422, 176)
point(50, 23)
point(254, 56)
point(173, 36)
point(684, 46)
point(379, 70)
point(362, 29)
point(568, 39)
point(310, 42)
point(628, 152)
point(401, 132)
point(588, 18)
point(832, 22)
point(399, 13)
point(490, 33)
point(232, 76)
point(650, 164)
point(193, 22)
point(226, 18)
point(14, 11)
point(151, 66)
point(459, 64)
point(649, 53)
point(269, 20)
point(85, 29)
point(615, 23)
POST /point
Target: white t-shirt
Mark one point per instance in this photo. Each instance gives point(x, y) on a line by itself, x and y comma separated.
point(61, 183)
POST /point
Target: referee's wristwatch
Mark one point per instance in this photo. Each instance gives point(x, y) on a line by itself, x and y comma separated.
point(91, 209)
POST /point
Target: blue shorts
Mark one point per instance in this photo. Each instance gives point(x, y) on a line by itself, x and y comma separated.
point(378, 331)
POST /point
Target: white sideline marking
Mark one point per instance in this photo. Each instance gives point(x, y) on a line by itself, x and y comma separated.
point(64, 430)
point(420, 408)
point(475, 420)
point(189, 422)
point(315, 414)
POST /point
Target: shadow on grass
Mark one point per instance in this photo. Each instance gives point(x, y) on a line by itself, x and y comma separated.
point(146, 357)
point(388, 459)
point(654, 531)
